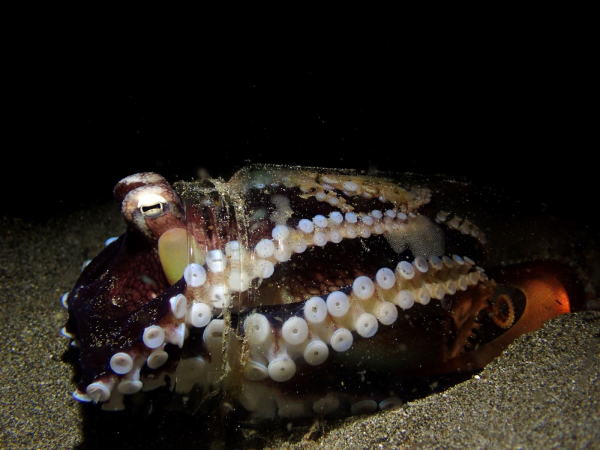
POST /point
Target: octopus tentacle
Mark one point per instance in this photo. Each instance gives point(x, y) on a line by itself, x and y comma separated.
point(504, 319)
point(464, 226)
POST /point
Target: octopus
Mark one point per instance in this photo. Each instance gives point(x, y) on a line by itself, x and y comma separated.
point(289, 292)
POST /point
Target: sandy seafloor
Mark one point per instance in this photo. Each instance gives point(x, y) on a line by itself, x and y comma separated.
point(543, 392)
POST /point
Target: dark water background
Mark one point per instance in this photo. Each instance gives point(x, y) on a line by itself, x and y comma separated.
point(507, 110)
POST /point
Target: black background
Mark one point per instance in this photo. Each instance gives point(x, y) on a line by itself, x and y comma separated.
point(506, 105)
point(503, 98)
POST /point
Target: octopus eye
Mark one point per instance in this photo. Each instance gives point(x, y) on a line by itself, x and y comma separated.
point(152, 210)
point(152, 205)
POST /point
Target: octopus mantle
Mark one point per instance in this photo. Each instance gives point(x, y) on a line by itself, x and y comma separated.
point(288, 292)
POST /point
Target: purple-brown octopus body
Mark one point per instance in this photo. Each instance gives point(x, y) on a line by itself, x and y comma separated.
point(288, 292)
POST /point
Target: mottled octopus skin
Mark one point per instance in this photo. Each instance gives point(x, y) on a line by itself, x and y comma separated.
point(313, 291)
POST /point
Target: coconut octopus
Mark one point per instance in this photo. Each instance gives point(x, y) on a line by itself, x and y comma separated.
point(288, 292)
